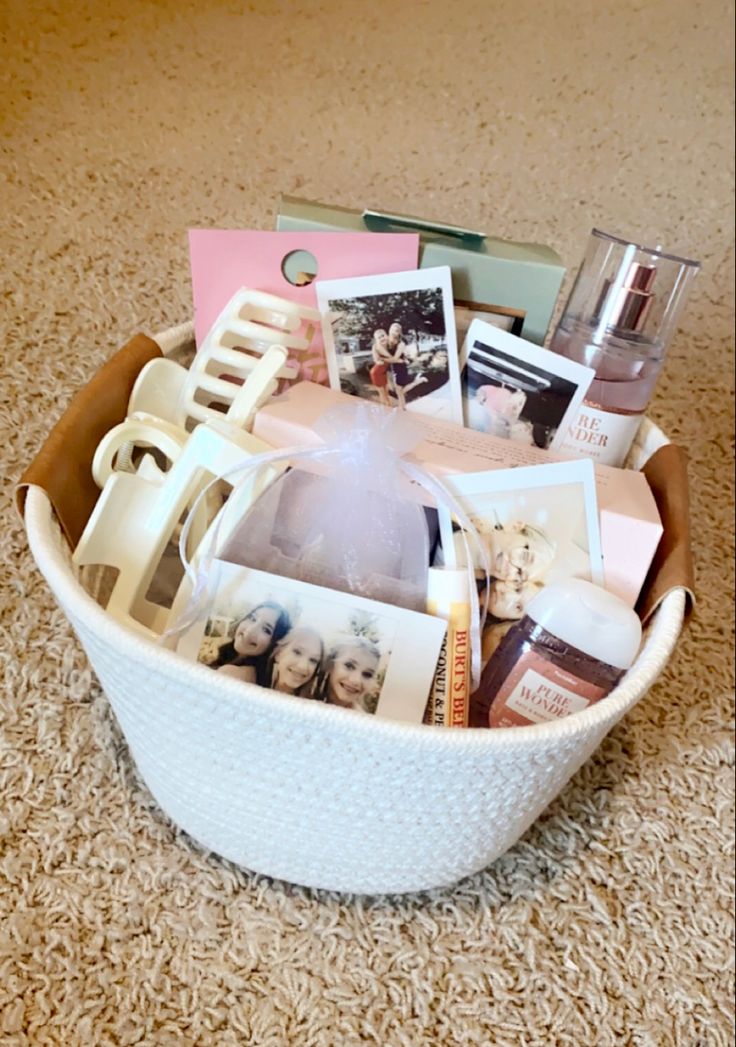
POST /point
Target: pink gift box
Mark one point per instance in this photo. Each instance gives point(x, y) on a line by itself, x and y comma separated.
point(630, 523)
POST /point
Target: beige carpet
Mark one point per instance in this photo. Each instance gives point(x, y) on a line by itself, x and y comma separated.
point(610, 922)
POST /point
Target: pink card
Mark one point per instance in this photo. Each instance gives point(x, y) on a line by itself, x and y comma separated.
point(224, 260)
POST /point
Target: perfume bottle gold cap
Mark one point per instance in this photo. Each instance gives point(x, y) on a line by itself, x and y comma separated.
point(633, 298)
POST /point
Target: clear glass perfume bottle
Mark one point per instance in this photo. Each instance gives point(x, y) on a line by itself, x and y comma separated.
point(619, 320)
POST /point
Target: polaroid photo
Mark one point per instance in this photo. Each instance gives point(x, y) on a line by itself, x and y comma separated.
point(315, 643)
point(511, 320)
point(391, 339)
point(537, 523)
point(517, 390)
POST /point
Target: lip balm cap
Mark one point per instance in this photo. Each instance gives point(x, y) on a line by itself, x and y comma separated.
point(447, 585)
point(595, 621)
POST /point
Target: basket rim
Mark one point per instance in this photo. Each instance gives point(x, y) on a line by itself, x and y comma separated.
point(51, 556)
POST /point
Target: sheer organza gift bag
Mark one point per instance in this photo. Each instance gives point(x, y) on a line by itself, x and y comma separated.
point(353, 522)
point(348, 514)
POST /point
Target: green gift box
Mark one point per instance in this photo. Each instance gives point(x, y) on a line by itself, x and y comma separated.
point(511, 284)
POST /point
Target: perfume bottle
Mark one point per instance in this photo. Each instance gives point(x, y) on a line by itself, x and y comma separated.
point(619, 320)
point(570, 649)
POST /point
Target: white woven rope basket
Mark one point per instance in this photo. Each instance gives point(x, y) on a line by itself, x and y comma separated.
point(315, 794)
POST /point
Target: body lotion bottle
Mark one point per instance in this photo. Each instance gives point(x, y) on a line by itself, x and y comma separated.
point(619, 320)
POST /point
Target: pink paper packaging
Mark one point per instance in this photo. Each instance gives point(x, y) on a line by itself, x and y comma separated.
point(629, 520)
point(224, 260)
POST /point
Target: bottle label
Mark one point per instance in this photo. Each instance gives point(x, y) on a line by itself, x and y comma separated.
point(536, 690)
point(448, 702)
point(602, 435)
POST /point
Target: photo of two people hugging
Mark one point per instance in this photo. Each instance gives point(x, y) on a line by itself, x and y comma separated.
point(389, 372)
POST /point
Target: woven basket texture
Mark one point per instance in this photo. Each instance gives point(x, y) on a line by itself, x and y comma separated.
point(316, 795)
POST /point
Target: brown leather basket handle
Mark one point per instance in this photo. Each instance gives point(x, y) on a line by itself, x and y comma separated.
point(672, 567)
point(63, 466)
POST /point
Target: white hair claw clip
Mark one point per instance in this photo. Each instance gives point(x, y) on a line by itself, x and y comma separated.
point(251, 326)
point(137, 514)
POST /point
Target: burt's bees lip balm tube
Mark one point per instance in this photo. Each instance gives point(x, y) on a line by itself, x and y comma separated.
point(619, 320)
point(447, 597)
point(570, 649)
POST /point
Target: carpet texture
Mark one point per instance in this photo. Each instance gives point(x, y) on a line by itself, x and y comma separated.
point(611, 921)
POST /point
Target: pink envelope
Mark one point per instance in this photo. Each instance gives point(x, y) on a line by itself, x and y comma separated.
point(224, 260)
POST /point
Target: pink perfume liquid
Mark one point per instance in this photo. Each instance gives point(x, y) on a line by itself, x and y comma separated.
point(626, 366)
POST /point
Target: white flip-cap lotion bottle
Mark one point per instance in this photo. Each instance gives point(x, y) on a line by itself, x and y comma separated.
point(571, 648)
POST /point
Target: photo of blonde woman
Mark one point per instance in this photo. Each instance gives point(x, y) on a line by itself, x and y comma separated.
point(350, 675)
point(381, 357)
point(296, 662)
